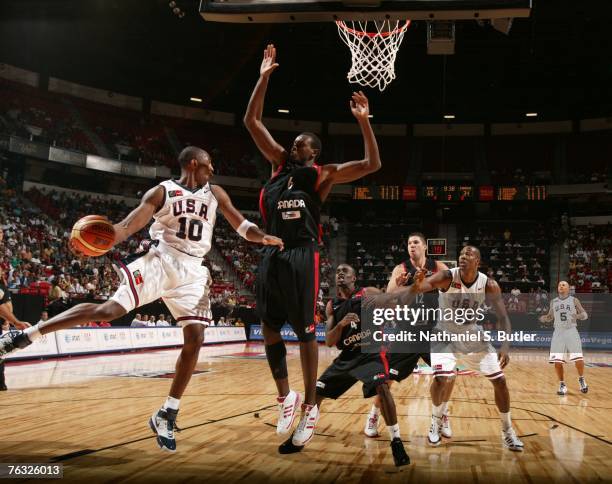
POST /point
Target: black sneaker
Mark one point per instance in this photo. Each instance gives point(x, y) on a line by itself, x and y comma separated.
point(584, 388)
point(163, 424)
point(288, 447)
point(13, 341)
point(3, 388)
point(400, 458)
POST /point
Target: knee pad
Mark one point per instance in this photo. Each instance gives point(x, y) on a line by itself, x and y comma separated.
point(276, 355)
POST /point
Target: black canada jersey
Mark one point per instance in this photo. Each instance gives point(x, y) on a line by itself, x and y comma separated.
point(290, 205)
point(428, 299)
point(353, 338)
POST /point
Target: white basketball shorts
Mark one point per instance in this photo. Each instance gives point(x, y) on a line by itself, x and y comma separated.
point(179, 279)
point(445, 364)
point(565, 340)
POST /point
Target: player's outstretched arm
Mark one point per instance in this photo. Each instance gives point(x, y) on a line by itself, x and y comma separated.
point(138, 218)
point(398, 278)
point(580, 312)
point(495, 299)
point(353, 170)
point(6, 313)
point(406, 295)
point(272, 151)
point(245, 229)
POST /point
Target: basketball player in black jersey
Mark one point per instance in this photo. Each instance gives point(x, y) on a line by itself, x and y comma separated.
point(400, 366)
point(343, 330)
point(287, 284)
point(7, 315)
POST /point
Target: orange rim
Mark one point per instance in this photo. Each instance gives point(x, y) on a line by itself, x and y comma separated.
point(343, 25)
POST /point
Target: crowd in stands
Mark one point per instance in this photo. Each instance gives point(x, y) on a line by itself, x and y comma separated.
point(514, 258)
point(590, 258)
point(35, 258)
point(128, 135)
point(36, 115)
point(151, 139)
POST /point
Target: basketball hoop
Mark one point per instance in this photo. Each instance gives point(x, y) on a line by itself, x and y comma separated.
point(374, 45)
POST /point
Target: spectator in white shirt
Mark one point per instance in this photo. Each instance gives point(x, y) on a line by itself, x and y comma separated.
point(162, 321)
point(137, 322)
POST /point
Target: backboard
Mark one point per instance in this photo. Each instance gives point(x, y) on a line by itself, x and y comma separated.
point(277, 11)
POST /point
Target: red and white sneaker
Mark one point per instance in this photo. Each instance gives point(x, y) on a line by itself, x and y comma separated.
point(445, 430)
point(305, 429)
point(371, 426)
point(287, 410)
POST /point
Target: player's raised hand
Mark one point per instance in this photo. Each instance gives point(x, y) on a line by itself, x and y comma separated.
point(402, 279)
point(268, 64)
point(348, 319)
point(503, 358)
point(360, 106)
point(271, 240)
point(419, 277)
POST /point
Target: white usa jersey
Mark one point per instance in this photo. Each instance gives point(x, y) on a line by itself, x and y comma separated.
point(564, 311)
point(461, 296)
point(187, 218)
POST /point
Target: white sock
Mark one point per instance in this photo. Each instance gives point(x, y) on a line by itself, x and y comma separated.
point(444, 408)
point(32, 333)
point(172, 403)
point(506, 421)
point(394, 432)
point(436, 410)
point(374, 410)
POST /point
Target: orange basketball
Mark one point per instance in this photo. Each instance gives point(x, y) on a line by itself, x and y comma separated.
point(93, 235)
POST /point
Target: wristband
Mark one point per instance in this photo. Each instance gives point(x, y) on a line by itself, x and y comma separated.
point(244, 227)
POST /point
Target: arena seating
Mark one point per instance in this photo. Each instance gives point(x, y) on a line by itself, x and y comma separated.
point(139, 137)
point(590, 258)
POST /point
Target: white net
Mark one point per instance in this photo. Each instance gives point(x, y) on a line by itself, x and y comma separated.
point(374, 46)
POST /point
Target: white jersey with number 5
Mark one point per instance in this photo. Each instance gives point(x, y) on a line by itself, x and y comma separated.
point(186, 220)
point(564, 311)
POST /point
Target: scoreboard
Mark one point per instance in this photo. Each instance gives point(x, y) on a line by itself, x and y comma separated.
point(436, 246)
point(525, 192)
point(450, 193)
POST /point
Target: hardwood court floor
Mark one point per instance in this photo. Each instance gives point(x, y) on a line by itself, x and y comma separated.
point(91, 415)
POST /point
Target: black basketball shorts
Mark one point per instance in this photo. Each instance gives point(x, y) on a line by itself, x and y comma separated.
point(401, 365)
point(372, 369)
point(287, 289)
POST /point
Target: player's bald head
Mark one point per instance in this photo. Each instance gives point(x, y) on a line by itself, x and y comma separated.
point(471, 250)
point(192, 153)
point(563, 287)
point(346, 268)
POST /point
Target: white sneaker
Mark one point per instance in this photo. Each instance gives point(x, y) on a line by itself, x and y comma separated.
point(511, 441)
point(287, 410)
point(434, 431)
point(446, 427)
point(562, 389)
point(163, 425)
point(305, 429)
point(371, 426)
point(584, 388)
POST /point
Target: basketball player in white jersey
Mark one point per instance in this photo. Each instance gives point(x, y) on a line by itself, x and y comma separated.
point(464, 287)
point(172, 268)
point(399, 368)
point(565, 310)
